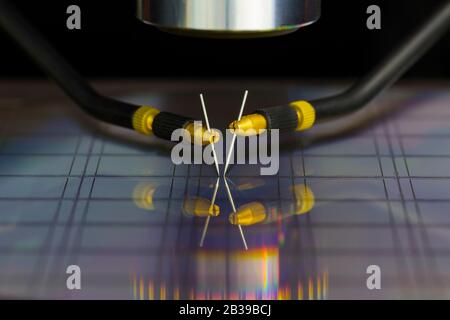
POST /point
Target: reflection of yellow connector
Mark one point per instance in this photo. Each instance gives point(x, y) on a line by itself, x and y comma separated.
point(143, 196)
point(248, 214)
point(268, 212)
point(199, 134)
point(143, 119)
point(249, 125)
point(304, 199)
point(306, 115)
point(245, 184)
point(200, 207)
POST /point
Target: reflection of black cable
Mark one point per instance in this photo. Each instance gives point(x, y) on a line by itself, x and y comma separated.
point(144, 119)
point(301, 115)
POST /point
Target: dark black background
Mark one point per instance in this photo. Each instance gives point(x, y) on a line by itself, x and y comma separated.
point(113, 43)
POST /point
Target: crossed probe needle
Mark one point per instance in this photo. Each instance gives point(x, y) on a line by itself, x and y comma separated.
point(208, 218)
point(205, 114)
point(213, 200)
point(230, 197)
point(230, 152)
point(233, 141)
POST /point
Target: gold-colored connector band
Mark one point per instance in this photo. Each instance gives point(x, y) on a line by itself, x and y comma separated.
point(143, 119)
point(306, 114)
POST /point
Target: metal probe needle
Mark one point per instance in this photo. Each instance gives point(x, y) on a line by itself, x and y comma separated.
point(213, 201)
point(230, 197)
point(205, 114)
point(230, 152)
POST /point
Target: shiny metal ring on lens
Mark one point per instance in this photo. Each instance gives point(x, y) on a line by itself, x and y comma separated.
point(229, 18)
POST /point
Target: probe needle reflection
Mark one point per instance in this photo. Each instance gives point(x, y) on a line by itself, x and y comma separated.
point(230, 197)
point(213, 201)
point(230, 152)
point(205, 114)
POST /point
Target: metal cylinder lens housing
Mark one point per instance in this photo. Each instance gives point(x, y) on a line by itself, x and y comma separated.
point(229, 18)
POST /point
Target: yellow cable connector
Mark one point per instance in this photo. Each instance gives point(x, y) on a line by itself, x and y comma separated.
point(200, 135)
point(306, 114)
point(249, 125)
point(143, 119)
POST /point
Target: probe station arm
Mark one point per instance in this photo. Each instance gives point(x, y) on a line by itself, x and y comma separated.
point(146, 120)
point(302, 115)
